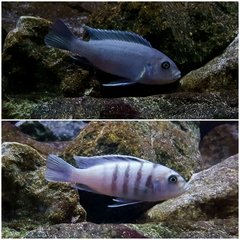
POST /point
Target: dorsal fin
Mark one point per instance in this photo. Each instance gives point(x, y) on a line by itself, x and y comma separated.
point(102, 34)
point(86, 162)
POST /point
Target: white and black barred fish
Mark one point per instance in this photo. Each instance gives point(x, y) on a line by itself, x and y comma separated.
point(130, 179)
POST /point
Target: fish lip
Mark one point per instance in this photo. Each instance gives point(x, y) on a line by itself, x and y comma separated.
point(177, 76)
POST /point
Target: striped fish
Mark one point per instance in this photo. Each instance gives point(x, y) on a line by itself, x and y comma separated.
point(129, 179)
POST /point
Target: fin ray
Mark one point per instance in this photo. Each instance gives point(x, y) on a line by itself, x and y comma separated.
point(102, 34)
point(58, 170)
point(121, 202)
point(60, 36)
point(86, 162)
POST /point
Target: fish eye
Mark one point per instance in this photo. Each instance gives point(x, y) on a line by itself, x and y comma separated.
point(172, 179)
point(165, 65)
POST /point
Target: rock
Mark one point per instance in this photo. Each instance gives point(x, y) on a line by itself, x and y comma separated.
point(212, 194)
point(26, 194)
point(219, 74)
point(219, 105)
point(51, 130)
point(11, 133)
point(190, 33)
point(41, 69)
point(43, 82)
point(85, 230)
point(175, 229)
point(216, 228)
point(220, 143)
point(36, 130)
point(71, 11)
point(65, 130)
point(173, 144)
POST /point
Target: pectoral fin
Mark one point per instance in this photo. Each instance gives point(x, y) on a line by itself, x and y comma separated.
point(121, 82)
point(120, 202)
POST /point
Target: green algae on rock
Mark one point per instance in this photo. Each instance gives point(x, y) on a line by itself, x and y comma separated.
point(212, 194)
point(218, 74)
point(30, 66)
point(168, 143)
point(26, 193)
point(191, 33)
point(217, 105)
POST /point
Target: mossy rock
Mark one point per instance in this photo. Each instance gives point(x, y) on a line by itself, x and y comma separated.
point(217, 105)
point(190, 33)
point(30, 66)
point(27, 195)
point(170, 143)
point(219, 74)
point(212, 194)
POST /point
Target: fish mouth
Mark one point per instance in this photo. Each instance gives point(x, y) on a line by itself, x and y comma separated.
point(177, 76)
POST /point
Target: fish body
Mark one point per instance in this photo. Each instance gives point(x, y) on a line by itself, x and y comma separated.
point(129, 179)
point(124, 54)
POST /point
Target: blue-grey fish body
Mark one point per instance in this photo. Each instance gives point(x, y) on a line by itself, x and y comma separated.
point(131, 180)
point(124, 54)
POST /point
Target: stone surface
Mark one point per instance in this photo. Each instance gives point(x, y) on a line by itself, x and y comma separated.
point(173, 144)
point(34, 208)
point(42, 82)
point(212, 194)
point(218, 74)
point(27, 195)
point(219, 105)
point(191, 33)
point(220, 143)
point(51, 130)
point(85, 230)
point(11, 133)
point(42, 69)
point(226, 228)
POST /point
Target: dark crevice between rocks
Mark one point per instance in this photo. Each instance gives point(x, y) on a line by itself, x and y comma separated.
point(97, 209)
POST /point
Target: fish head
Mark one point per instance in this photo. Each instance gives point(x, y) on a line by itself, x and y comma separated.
point(161, 70)
point(169, 184)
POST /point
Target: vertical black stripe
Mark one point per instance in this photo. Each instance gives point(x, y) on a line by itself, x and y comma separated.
point(149, 183)
point(126, 179)
point(114, 179)
point(138, 180)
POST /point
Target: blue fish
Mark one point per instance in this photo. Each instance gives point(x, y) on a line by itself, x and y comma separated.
point(125, 54)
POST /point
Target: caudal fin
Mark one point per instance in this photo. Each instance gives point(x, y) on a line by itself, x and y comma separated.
point(58, 170)
point(60, 36)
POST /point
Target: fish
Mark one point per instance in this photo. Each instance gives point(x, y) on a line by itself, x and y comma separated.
point(126, 55)
point(129, 180)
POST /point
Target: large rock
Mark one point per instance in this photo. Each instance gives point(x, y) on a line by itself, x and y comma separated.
point(173, 144)
point(85, 230)
point(226, 228)
point(51, 130)
point(191, 33)
point(212, 194)
point(29, 65)
point(219, 105)
point(219, 74)
point(220, 143)
point(34, 74)
point(10, 133)
point(26, 194)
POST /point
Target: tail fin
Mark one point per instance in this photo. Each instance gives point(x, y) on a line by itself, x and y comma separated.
point(60, 36)
point(58, 170)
